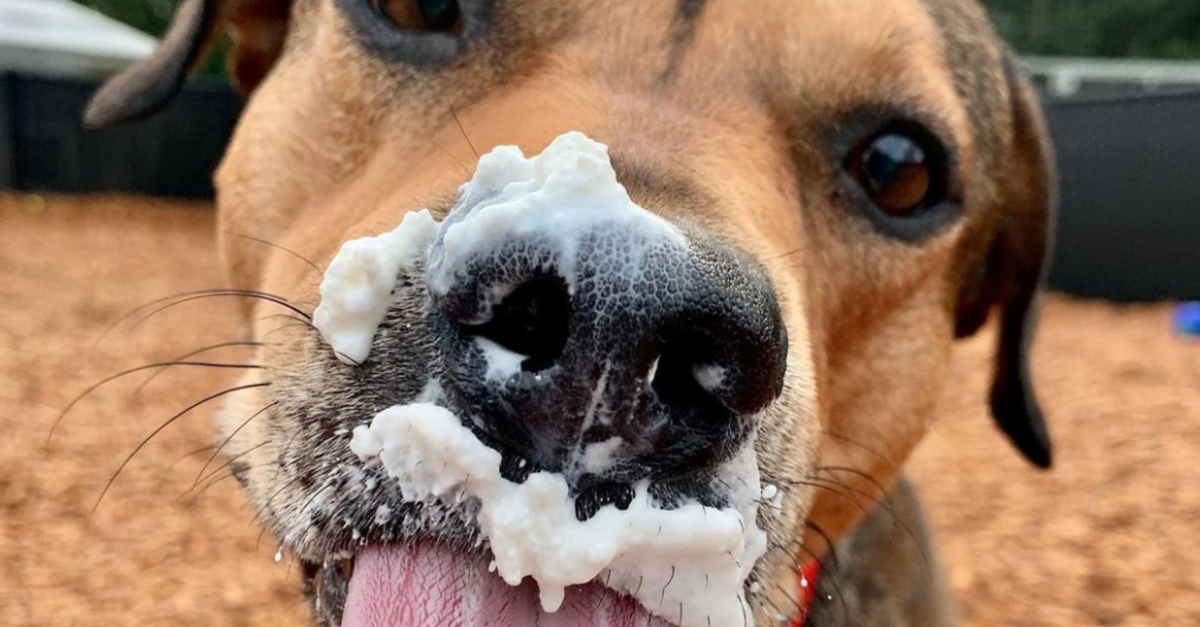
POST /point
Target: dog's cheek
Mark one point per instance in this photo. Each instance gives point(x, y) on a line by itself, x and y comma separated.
point(308, 487)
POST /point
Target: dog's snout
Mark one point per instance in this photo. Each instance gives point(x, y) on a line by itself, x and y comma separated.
point(631, 355)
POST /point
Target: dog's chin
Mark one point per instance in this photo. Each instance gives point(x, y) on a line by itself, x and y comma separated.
point(433, 584)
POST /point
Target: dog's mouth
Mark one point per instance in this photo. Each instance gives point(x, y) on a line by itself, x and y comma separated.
point(432, 584)
point(541, 557)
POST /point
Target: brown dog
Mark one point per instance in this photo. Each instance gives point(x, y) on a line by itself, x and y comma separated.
point(873, 173)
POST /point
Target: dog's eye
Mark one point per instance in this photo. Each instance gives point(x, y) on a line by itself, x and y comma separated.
point(421, 15)
point(901, 168)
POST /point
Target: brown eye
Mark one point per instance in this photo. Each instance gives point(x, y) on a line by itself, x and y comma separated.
point(901, 170)
point(421, 15)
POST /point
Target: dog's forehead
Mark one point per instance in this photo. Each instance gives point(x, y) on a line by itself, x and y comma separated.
point(825, 58)
point(813, 60)
point(833, 48)
point(838, 50)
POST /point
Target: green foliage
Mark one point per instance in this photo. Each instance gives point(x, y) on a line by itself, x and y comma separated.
point(150, 16)
point(1167, 29)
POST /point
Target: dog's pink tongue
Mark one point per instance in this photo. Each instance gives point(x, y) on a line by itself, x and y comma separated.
point(430, 585)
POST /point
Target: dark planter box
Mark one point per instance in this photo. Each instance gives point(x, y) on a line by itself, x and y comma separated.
point(1129, 228)
point(44, 147)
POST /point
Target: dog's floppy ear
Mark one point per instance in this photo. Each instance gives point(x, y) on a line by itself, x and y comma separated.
point(257, 28)
point(1009, 274)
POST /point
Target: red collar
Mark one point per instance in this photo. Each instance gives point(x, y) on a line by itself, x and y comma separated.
point(806, 584)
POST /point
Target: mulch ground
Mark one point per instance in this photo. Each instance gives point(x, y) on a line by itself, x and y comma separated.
point(1110, 537)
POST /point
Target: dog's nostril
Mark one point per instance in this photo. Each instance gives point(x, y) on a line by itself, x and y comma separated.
point(532, 321)
point(682, 378)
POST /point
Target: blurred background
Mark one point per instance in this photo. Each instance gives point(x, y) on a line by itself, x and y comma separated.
point(96, 223)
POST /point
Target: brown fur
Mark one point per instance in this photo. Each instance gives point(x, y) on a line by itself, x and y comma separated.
point(718, 114)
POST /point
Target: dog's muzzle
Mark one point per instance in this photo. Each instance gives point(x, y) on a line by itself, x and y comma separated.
point(625, 353)
point(620, 355)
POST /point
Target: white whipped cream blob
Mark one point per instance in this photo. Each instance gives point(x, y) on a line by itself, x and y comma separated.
point(695, 556)
point(359, 282)
point(569, 190)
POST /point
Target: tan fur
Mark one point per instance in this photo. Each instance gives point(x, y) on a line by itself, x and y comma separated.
point(336, 143)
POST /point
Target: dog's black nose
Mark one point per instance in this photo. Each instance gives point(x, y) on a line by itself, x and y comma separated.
point(630, 355)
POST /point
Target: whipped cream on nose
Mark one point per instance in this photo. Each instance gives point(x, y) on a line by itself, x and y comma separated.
point(360, 281)
point(567, 191)
point(690, 562)
point(561, 195)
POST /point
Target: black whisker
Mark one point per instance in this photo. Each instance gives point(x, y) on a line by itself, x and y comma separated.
point(836, 568)
point(163, 480)
point(763, 598)
point(140, 308)
point(287, 317)
point(228, 440)
point(882, 501)
point(461, 165)
point(164, 425)
point(124, 373)
point(890, 464)
point(261, 532)
point(297, 323)
point(795, 251)
point(236, 294)
point(855, 472)
point(454, 115)
point(829, 546)
point(228, 463)
point(209, 482)
point(138, 390)
point(354, 362)
point(852, 495)
point(277, 246)
point(604, 592)
point(201, 490)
